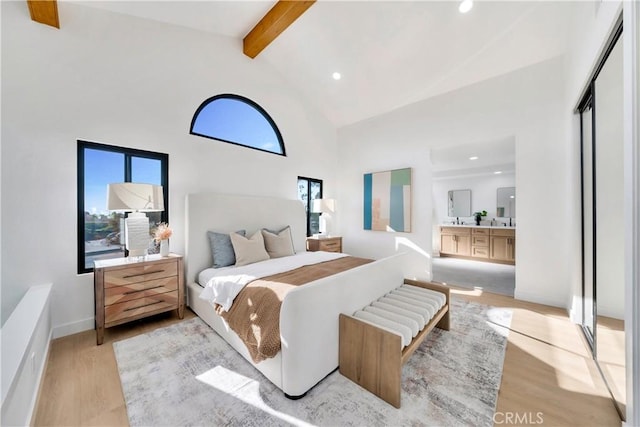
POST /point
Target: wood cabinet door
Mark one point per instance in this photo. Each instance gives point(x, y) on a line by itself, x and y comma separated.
point(448, 244)
point(500, 248)
point(464, 245)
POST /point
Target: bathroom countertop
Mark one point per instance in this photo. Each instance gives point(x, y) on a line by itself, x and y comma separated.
point(479, 226)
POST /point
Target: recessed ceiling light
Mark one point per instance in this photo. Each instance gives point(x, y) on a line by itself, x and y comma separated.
point(336, 76)
point(497, 172)
point(512, 197)
point(473, 158)
point(465, 6)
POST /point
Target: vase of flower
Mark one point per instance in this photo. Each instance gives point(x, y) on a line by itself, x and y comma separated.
point(162, 234)
point(164, 247)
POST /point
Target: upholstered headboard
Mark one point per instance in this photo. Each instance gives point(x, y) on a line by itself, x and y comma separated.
point(227, 212)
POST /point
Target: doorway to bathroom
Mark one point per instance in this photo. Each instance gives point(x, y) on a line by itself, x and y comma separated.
point(474, 215)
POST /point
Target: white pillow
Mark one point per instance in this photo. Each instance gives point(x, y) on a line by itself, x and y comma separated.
point(248, 250)
point(278, 244)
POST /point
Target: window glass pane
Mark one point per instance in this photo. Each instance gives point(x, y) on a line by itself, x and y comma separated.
point(310, 189)
point(303, 192)
point(238, 120)
point(316, 190)
point(314, 218)
point(145, 170)
point(101, 227)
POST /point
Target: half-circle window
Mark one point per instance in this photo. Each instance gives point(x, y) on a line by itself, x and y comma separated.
point(237, 120)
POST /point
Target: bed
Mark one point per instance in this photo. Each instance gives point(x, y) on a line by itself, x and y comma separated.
point(309, 325)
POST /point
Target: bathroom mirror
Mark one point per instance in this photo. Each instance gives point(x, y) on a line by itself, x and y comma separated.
point(459, 203)
point(506, 206)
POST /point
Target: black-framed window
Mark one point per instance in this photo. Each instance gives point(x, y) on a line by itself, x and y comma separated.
point(99, 231)
point(237, 120)
point(310, 189)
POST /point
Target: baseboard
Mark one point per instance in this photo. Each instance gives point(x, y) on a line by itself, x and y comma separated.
point(73, 328)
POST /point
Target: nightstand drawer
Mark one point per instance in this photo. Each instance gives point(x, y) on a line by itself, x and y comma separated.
point(326, 244)
point(120, 294)
point(136, 307)
point(329, 246)
point(140, 273)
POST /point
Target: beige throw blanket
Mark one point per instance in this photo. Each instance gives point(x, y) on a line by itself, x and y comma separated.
point(255, 313)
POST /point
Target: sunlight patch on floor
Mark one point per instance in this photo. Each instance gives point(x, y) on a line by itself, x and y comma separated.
point(475, 292)
point(499, 320)
point(245, 389)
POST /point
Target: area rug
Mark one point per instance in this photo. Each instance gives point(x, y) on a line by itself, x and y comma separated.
point(185, 374)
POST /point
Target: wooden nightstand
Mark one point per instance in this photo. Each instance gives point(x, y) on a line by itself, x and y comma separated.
point(327, 244)
point(127, 289)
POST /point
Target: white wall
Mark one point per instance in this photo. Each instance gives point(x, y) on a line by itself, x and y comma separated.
point(483, 197)
point(372, 147)
point(526, 104)
point(124, 81)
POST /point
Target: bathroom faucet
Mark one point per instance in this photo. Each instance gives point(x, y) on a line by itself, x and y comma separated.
point(457, 220)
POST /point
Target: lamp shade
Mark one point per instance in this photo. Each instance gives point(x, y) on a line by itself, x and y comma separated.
point(323, 206)
point(137, 197)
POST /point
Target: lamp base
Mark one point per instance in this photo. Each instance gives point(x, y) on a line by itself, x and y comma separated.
point(136, 229)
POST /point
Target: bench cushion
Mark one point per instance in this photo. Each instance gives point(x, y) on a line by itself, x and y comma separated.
point(397, 328)
point(389, 314)
point(438, 296)
point(395, 309)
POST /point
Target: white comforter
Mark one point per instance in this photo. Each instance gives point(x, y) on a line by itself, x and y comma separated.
point(222, 285)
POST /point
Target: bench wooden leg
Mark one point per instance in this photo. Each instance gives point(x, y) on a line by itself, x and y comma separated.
point(371, 357)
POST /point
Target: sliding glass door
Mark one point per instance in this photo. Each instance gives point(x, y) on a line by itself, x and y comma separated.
point(603, 249)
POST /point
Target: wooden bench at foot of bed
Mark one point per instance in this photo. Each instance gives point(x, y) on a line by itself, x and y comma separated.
point(375, 342)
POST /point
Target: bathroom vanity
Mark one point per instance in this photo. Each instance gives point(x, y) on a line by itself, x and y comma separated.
point(481, 243)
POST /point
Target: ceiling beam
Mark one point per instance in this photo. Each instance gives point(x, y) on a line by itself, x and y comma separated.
point(44, 11)
point(281, 15)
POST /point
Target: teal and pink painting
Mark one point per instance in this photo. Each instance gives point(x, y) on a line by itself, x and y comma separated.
point(387, 200)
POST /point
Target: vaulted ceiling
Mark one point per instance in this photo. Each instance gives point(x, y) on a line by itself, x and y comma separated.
point(389, 53)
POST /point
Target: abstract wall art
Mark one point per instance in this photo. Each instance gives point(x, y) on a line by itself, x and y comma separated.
point(387, 200)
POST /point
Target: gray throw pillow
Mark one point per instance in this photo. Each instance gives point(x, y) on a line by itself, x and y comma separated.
point(222, 249)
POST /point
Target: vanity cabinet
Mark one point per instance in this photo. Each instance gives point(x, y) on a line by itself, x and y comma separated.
point(455, 241)
point(489, 244)
point(503, 245)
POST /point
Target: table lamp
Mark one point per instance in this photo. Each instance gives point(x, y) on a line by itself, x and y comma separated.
point(136, 198)
point(327, 207)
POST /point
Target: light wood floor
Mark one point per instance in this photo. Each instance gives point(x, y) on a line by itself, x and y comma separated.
point(548, 377)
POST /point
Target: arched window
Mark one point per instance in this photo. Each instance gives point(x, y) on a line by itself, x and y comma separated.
point(237, 120)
